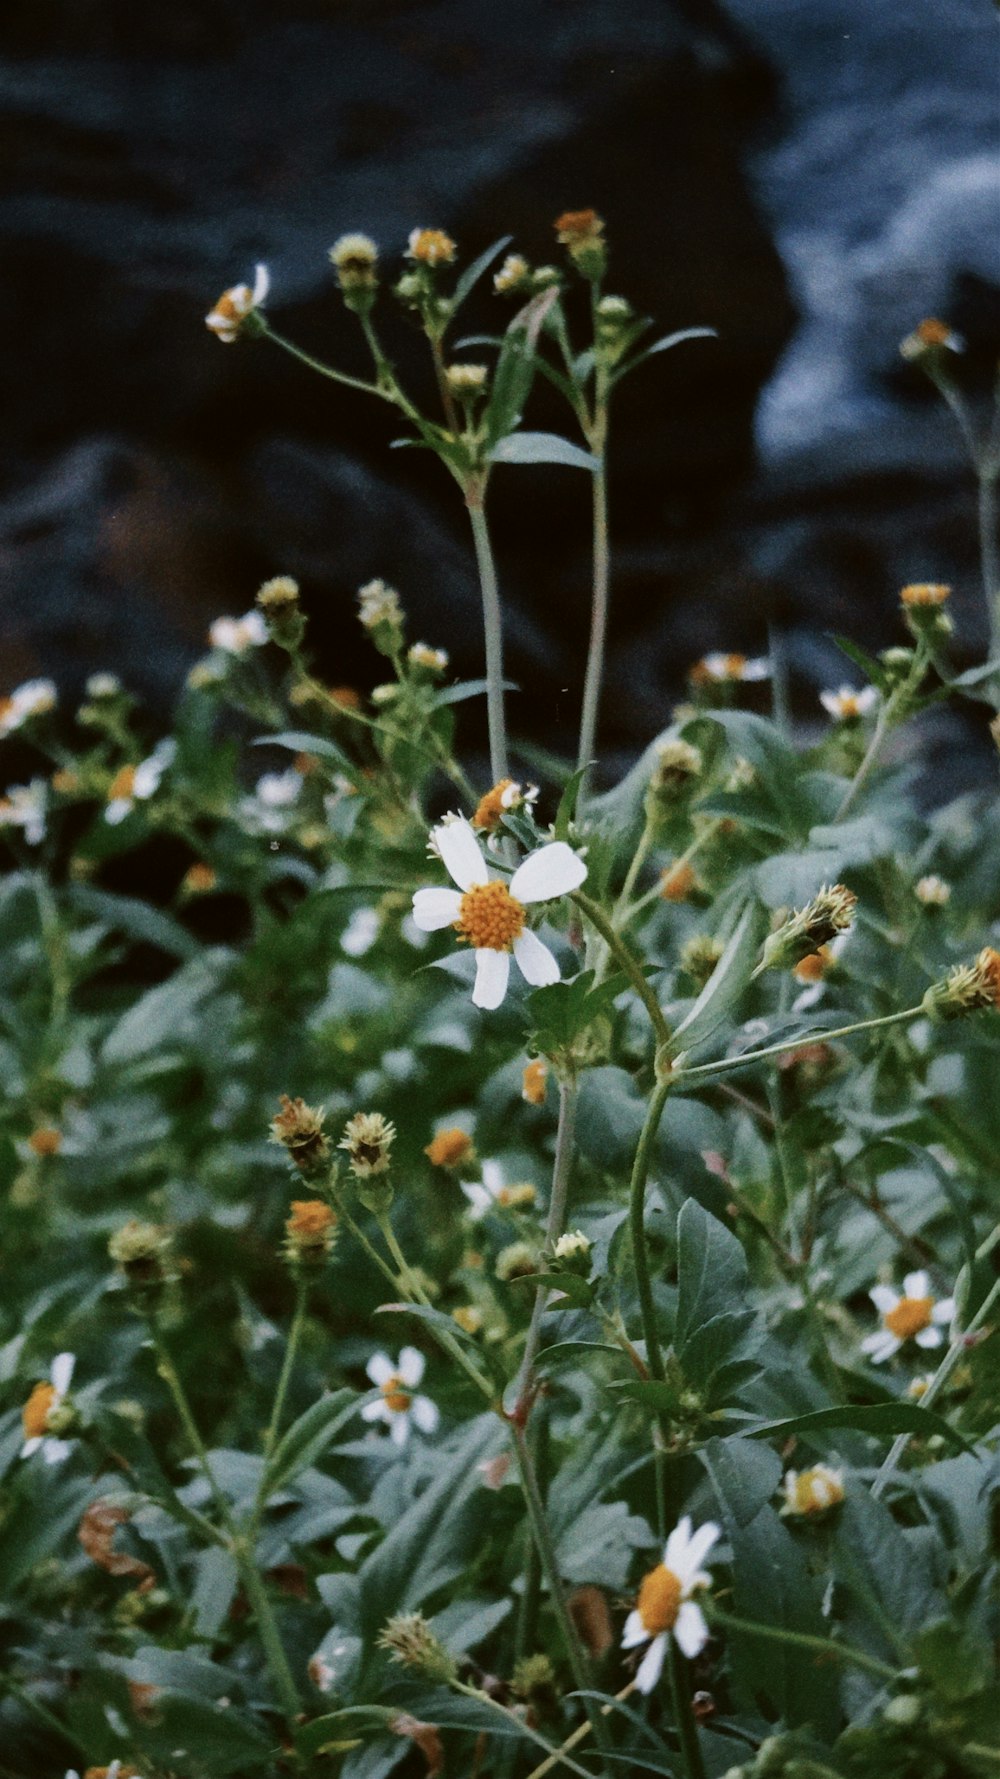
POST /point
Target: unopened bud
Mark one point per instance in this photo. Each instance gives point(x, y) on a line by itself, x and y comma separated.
point(676, 770)
point(466, 382)
point(382, 616)
point(299, 1129)
point(809, 928)
point(141, 1251)
point(278, 600)
point(310, 1232)
point(355, 260)
point(408, 1639)
point(572, 1253)
point(517, 1261)
point(581, 232)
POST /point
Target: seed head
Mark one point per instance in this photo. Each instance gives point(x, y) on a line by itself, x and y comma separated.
point(807, 929)
point(368, 1139)
point(299, 1129)
point(408, 1639)
point(278, 600)
point(431, 247)
point(382, 616)
point(141, 1251)
point(969, 988)
point(517, 1261)
point(676, 769)
point(355, 261)
point(310, 1232)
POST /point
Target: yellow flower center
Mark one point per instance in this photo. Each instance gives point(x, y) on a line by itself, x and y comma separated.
point(659, 1600)
point(925, 593)
point(814, 967)
point(489, 917)
point(491, 807)
point(910, 1315)
point(36, 1411)
point(449, 1148)
point(814, 1491)
point(395, 1396)
point(533, 1082)
point(122, 785)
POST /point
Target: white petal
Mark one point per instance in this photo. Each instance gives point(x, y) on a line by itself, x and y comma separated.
point(534, 960)
point(55, 1450)
point(375, 1411)
point(436, 908)
point(410, 1369)
point(881, 1346)
point(425, 1413)
point(651, 1666)
point(480, 1201)
point(550, 871)
point(944, 1311)
point(758, 669)
point(399, 1429)
point(884, 1298)
point(31, 1445)
point(917, 1284)
point(261, 284)
point(492, 973)
point(634, 1631)
point(380, 1368)
point(675, 1550)
point(691, 1630)
point(700, 1544)
point(461, 854)
point(62, 1372)
point(117, 810)
point(929, 1337)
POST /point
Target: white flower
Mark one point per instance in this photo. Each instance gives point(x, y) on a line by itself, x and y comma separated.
point(490, 916)
point(45, 1401)
point(812, 1491)
point(846, 703)
point(361, 932)
point(24, 806)
point(491, 1194)
point(237, 636)
point(912, 1316)
point(136, 784)
point(234, 305)
point(932, 891)
point(420, 654)
point(35, 698)
point(665, 1606)
point(720, 667)
point(574, 1245)
point(103, 685)
point(398, 1405)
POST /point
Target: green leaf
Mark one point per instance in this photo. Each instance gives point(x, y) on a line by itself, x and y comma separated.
point(172, 1010)
point(744, 1475)
point(879, 1418)
point(724, 987)
point(566, 813)
point(711, 1271)
point(542, 447)
point(352, 1723)
point(575, 1290)
point(136, 919)
point(875, 1562)
point(424, 1312)
point(872, 669)
point(310, 1436)
point(772, 1585)
point(515, 367)
point(299, 741)
point(472, 274)
point(468, 688)
point(666, 344)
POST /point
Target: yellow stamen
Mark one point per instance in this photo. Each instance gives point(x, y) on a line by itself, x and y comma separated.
point(122, 785)
point(659, 1600)
point(394, 1396)
point(491, 807)
point(910, 1315)
point(36, 1411)
point(489, 917)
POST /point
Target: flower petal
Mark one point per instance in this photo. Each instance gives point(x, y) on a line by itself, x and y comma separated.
point(675, 1550)
point(425, 1414)
point(944, 1311)
point(550, 871)
point(436, 908)
point(699, 1546)
point(880, 1346)
point(492, 974)
point(31, 1445)
point(380, 1368)
point(634, 1631)
point(55, 1450)
point(884, 1298)
point(651, 1666)
point(534, 960)
point(461, 854)
point(929, 1337)
point(62, 1372)
point(691, 1630)
point(410, 1369)
point(375, 1411)
point(261, 284)
point(917, 1284)
point(399, 1429)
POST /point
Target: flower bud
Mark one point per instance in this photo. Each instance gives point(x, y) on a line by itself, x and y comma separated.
point(676, 770)
point(572, 1253)
point(408, 1639)
point(969, 988)
point(466, 382)
point(310, 1232)
point(431, 247)
point(425, 660)
point(581, 233)
point(932, 891)
point(451, 1148)
point(807, 929)
point(514, 277)
point(534, 1681)
point(677, 881)
point(355, 260)
point(517, 1261)
point(382, 616)
point(299, 1129)
point(368, 1139)
point(141, 1251)
point(278, 600)
point(700, 955)
point(923, 604)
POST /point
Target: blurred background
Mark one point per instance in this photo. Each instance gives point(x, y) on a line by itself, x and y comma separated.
point(809, 177)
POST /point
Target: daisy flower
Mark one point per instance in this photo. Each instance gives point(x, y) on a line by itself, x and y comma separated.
point(665, 1607)
point(136, 784)
point(719, 668)
point(914, 1315)
point(24, 806)
point(398, 1405)
point(237, 636)
point(45, 1401)
point(491, 916)
point(491, 1194)
point(233, 307)
point(847, 703)
point(35, 698)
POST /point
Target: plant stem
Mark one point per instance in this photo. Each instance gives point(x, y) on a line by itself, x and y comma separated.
point(550, 1566)
point(26, 1697)
point(989, 551)
point(413, 1288)
point(824, 1647)
point(687, 1729)
point(557, 1757)
point(326, 370)
point(936, 1385)
point(883, 724)
point(706, 1071)
point(579, 1734)
point(647, 1305)
point(492, 633)
point(555, 1225)
point(291, 1347)
point(597, 917)
point(599, 604)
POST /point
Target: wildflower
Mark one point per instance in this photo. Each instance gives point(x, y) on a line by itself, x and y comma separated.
point(141, 1251)
point(572, 1253)
point(518, 1260)
point(299, 1130)
point(278, 604)
point(930, 340)
point(914, 1315)
point(24, 806)
point(103, 685)
point(450, 1148)
point(408, 1638)
point(534, 1079)
point(431, 247)
point(397, 1404)
point(932, 891)
point(45, 1141)
point(65, 782)
point(720, 669)
point(676, 766)
point(918, 1387)
point(136, 784)
point(666, 1607)
point(581, 232)
point(492, 917)
point(117, 1770)
point(495, 803)
point(677, 881)
point(238, 307)
point(813, 1491)
point(466, 381)
point(848, 704)
point(382, 616)
point(968, 988)
point(35, 698)
point(426, 659)
point(490, 1194)
point(514, 276)
point(199, 879)
point(368, 1139)
point(44, 1413)
point(310, 1232)
point(355, 261)
point(237, 636)
point(808, 929)
point(468, 1318)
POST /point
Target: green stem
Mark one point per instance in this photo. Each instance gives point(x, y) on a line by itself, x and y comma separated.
point(989, 551)
point(883, 723)
point(557, 1756)
point(632, 969)
point(291, 1347)
point(644, 1284)
point(639, 858)
point(707, 1071)
point(580, 1734)
point(554, 1228)
point(687, 1729)
point(26, 1697)
point(492, 634)
point(823, 1646)
point(411, 1286)
point(599, 601)
point(326, 370)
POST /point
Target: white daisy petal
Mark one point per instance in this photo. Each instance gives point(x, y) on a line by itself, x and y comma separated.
point(410, 1369)
point(399, 1429)
point(436, 908)
point(31, 1445)
point(425, 1414)
point(675, 1550)
point(461, 854)
point(534, 960)
point(691, 1630)
point(699, 1546)
point(374, 1411)
point(492, 974)
point(929, 1337)
point(550, 871)
point(62, 1371)
point(884, 1298)
point(55, 1450)
point(261, 284)
point(651, 1666)
point(880, 1346)
point(944, 1311)
point(380, 1368)
point(634, 1631)
point(917, 1284)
